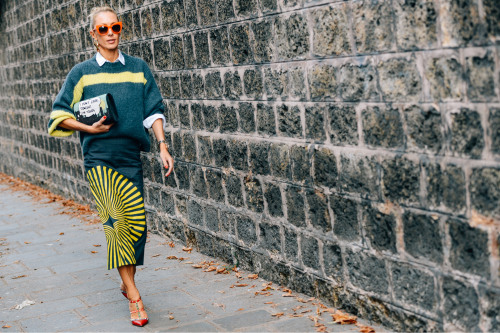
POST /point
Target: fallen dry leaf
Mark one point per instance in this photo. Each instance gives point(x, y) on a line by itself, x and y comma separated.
point(287, 295)
point(19, 276)
point(155, 255)
point(321, 328)
point(171, 317)
point(365, 329)
point(187, 249)
point(93, 251)
point(210, 269)
point(197, 266)
point(240, 309)
point(61, 233)
point(181, 258)
point(171, 244)
point(238, 275)
point(295, 315)
point(343, 318)
point(6, 326)
point(241, 284)
point(268, 302)
point(221, 270)
point(96, 245)
point(253, 276)
point(27, 242)
point(172, 257)
point(277, 315)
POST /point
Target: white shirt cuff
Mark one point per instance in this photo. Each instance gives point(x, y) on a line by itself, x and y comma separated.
point(148, 122)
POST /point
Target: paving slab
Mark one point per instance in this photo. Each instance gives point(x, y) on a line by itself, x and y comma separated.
point(66, 276)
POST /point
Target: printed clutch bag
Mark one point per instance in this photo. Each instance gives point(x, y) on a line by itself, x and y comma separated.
point(93, 109)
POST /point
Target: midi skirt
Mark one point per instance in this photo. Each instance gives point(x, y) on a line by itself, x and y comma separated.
point(114, 170)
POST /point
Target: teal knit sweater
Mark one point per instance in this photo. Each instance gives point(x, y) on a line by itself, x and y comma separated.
point(133, 88)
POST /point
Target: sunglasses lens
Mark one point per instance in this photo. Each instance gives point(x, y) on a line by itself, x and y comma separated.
point(102, 30)
point(116, 28)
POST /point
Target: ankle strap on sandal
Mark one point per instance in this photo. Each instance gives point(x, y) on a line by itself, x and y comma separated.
point(136, 301)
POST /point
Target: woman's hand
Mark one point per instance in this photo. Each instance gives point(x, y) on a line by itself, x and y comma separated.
point(166, 159)
point(99, 127)
point(96, 128)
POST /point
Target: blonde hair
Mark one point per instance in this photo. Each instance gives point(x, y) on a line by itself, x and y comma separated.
point(97, 10)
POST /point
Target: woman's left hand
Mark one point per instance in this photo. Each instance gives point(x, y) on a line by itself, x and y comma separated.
point(166, 159)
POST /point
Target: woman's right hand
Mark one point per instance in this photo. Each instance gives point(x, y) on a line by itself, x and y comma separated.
point(96, 128)
point(99, 127)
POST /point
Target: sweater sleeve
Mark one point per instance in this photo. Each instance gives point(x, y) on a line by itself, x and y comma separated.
point(62, 108)
point(153, 102)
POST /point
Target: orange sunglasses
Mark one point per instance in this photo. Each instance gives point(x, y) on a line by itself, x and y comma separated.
point(102, 29)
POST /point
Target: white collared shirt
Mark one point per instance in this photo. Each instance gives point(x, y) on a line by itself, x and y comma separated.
point(148, 122)
point(101, 60)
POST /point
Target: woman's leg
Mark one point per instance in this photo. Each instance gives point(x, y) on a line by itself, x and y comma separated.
point(127, 274)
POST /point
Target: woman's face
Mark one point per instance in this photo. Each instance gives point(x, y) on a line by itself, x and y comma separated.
point(110, 40)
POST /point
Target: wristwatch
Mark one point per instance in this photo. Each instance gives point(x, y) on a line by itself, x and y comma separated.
point(163, 141)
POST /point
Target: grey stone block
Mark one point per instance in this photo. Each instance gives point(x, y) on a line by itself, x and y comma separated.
point(414, 286)
point(461, 22)
point(219, 38)
point(469, 249)
point(446, 186)
point(246, 230)
point(466, 133)
point(266, 122)
point(380, 229)
point(359, 174)
point(423, 237)
point(259, 158)
point(460, 304)
point(310, 252)
point(295, 206)
point(400, 80)
point(270, 237)
point(401, 180)
point(383, 127)
point(331, 31)
point(292, 37)
point(416, 24)
point(424, 127)
point(345, 218)
point(367, 272)
point(481, 85)
point(254, 196)
point(357, 83)
point(372, 26)
point(318, 213)
point(325, 168)
point(323, 83)
point(240, 44)
point(263, 43)
point(289, 121)
point(315, 123)
point(445, 76)
point(233, 190)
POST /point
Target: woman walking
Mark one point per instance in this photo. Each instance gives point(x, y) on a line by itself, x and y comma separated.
point(112, 151)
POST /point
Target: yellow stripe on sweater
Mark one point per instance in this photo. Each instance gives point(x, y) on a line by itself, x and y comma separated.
point(110, 78)
point(58, 117)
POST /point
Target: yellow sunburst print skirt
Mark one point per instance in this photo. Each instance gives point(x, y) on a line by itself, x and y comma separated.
point(121, 209)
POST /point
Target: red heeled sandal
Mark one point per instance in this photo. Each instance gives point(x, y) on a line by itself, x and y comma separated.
point(124, 293)
point(139, 321)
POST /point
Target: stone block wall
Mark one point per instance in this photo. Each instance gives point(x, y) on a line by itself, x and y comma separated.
point(347, 149)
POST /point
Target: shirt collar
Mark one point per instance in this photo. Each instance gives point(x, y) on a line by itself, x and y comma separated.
point(101, 60)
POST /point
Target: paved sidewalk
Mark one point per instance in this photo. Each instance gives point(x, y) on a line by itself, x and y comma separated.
point(51, 259)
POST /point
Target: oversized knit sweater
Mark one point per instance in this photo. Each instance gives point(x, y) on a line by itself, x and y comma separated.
point(133, 88)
